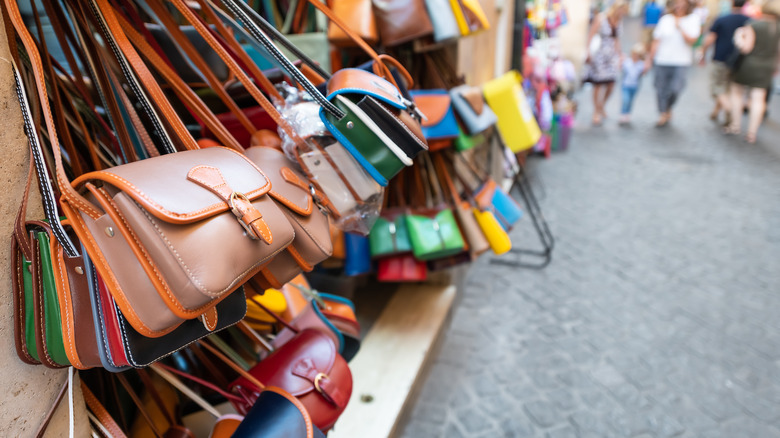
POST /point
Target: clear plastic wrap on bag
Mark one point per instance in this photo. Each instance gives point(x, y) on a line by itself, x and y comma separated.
point(355, 198)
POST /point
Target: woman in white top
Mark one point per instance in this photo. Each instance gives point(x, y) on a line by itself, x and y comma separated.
point(672, 53)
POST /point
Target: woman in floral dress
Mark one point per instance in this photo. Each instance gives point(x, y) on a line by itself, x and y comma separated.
point(604, 64)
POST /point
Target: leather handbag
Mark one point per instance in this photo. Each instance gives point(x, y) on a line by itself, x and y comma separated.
point(516, 122)
point(309, 368)
point(401, 21)
point(506, 210)
point(137, 220)
point(464, 142)
point(256, 316)
point(445, 27)
point(440, 120)
point(297, 197)
point(277, 414)
point(470, 105)
point(433, 230)
point(389, 235)
point(470, 16)
point(358, 15)
point(477, 243)
point(358, 261)
point(401, 268)
point(496, 235)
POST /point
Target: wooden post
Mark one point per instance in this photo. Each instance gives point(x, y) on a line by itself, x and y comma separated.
point(27, 390)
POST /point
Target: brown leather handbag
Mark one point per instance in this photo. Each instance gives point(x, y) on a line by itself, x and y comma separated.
point(295, 195)
point(401, 21)
point(171, 236)
point(358, 15)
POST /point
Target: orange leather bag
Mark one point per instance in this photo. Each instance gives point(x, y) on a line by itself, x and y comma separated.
point(356, 14)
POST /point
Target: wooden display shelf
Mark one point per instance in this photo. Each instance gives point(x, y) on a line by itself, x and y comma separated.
point(393, 359)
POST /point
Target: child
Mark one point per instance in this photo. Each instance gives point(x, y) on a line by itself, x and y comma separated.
point(633, 70)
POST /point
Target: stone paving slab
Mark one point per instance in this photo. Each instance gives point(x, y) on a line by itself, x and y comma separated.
point(658, 316)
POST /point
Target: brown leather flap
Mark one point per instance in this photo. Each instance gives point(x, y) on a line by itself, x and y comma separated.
point(434, 106)
point(473, 96)
point(362, 82)
point(288, 186)
point(161, 186)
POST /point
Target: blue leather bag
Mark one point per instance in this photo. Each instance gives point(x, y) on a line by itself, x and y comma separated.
point(358, 260)
point(436, 105)
point(491, 197)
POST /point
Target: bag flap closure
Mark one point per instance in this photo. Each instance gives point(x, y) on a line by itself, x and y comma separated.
point(434, 104)
point(473, 96)
point(356, 81)
point(288, 186)
point(163, 185)
point(310, 349)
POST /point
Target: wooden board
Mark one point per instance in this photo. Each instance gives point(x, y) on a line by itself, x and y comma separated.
point(393, 359)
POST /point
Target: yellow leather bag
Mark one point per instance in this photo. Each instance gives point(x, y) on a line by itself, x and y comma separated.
point(469, 16)
point(259, 319)
point(516, 122)
point(497, 237)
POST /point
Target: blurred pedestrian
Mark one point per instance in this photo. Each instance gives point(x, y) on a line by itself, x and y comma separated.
point(633, 70)
point(725, 54)
point(604, 64)
point(758, 41)
point(672, 54)
point(652, 13)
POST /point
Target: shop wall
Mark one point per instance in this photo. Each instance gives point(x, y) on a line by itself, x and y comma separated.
point(27, 390)
point(573, 35)
point(488, 54)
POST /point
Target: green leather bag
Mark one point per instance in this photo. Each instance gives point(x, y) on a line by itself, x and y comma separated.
point(29, 314)
point(464, 142)
point(434, 236)
point(389, 236)
point(51, 321)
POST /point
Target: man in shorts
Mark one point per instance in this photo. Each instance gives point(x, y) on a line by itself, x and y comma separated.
point(722, 35)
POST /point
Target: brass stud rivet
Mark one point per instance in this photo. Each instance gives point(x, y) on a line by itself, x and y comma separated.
point(79, 270)
point(350, 125)
point(110, 231)
point(366, 398)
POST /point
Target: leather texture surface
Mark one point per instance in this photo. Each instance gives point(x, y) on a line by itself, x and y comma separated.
point(51, 348)
point(291, 367)
point(443, 19)
point(21, 283)
point(401, 21)
point(359, 16)
point(437, 107)
point(477, 243)
point(275, 415)
point(358, 261)
point(434, 234)
point(142, 351)
point(516, 122)
point(101, 332)
point(178, 249)
point(497, 237)
point(470, 105)
point(389, 236)
point(401, 268)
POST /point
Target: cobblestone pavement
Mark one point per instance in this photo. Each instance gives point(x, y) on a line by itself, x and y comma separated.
point(658, 316)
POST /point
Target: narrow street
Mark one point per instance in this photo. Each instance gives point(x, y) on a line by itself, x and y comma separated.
point(658, 316)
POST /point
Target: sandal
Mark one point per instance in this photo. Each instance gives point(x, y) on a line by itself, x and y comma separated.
point(597, 120)
point(750, 138)
point(731, 130)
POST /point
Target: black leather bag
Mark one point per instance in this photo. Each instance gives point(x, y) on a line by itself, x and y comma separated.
point(277, 414)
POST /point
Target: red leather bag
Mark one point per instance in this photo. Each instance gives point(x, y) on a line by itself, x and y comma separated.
point(308, 367)
point(403, 268)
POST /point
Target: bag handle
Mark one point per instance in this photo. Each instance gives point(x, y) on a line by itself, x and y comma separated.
point(66, 387)
point(202, 382)
point(184, 389)
point(242, 372)
point(138, 403)
point(185, 93)
point(101, 414)
point(445, 176)
point(156, 397)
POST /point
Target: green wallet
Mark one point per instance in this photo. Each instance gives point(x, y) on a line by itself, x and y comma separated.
point(434, 237)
